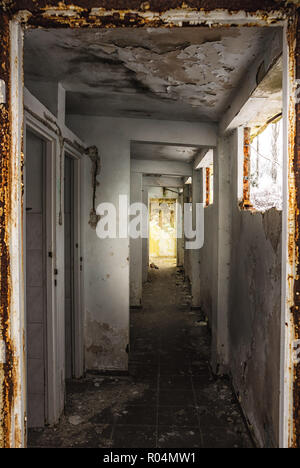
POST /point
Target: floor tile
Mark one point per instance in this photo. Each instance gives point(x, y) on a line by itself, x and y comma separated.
point(178, 416)
point(176, 398)
point(178, 437)
point(134, 437)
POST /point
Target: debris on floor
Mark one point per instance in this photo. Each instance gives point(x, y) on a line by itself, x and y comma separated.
point(200, 323)
point(170, 399)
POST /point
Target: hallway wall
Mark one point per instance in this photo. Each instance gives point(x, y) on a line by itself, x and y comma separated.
point(107, 261)
point(255, 308)
point(249, 301)
point(206, 262)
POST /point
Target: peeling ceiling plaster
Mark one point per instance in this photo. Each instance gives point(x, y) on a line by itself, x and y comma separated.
point(160, 152)
point(176, 74)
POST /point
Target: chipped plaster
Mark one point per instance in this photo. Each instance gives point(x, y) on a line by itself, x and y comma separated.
point(188, 74)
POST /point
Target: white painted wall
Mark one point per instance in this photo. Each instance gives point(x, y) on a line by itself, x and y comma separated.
point(197, 194)
point(145, 241)
point(136, 252)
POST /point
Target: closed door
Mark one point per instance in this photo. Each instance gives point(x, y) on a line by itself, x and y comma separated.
point(35, 279)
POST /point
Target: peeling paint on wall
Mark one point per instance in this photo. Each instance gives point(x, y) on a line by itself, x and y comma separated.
point(93, 154)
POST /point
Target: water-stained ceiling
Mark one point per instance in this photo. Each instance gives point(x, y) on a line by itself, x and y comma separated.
point(163, 152)
point(186, 74)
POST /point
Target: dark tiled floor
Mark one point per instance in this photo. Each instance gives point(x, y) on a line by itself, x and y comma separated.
point(170, 399)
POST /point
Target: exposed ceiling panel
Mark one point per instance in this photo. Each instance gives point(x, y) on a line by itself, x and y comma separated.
point(176, 74)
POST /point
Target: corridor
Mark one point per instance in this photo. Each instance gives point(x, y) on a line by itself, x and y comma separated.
point(169, 399)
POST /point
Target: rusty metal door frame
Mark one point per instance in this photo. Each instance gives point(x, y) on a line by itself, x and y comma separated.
point(286, 432)
point(13, 427)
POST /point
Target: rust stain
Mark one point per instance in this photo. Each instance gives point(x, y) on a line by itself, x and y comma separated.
point(8, 369)
point(136, 13)
point(246, 204)
point(152, 5)
point(207, 200)
point(294, 213)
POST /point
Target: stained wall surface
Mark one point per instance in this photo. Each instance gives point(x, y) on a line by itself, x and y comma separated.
point(255, 310)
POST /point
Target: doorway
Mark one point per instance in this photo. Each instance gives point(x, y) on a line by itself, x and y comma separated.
point(36, 279)
point(69, 266)
point(162, 238)
point(73, 269)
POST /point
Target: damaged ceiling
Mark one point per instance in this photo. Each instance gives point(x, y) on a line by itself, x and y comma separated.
point(163, 152)
point(188, 74)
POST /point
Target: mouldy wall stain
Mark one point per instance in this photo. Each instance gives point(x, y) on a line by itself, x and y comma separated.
point(254, 323)
point(105, 346)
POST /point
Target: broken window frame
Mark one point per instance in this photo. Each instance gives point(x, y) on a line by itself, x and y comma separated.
point(248, 137)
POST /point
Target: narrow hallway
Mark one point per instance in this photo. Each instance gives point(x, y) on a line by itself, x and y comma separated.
point(169, 400)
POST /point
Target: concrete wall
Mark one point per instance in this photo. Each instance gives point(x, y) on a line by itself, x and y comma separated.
point(136, 246)
point(107, 261)
point(187, 191)
point(240, 284)
point(206, 263)
point(254, 318)
point(145, 241)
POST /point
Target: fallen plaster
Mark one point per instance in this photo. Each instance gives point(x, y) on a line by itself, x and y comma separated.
point(89, 402)
point(122, 411)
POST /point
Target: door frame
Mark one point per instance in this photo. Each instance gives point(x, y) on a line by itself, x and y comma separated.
point(12, 54)
point(78, 311)
point(50, 139)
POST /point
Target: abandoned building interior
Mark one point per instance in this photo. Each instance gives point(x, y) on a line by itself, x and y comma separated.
point(141, 341)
